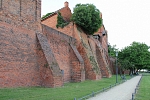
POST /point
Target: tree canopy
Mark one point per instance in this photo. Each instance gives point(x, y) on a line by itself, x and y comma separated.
point(87, 16)
point(135, 56)
point(112, 50)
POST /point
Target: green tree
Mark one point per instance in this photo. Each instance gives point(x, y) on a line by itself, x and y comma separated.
point(135, 57)
point(87, 16)
point(112, 50)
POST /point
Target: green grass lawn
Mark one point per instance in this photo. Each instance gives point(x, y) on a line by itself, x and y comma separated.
point(68, 92)
point(144, 88)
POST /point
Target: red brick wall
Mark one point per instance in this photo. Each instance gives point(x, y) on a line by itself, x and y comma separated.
point(91, 70)
point(105, 43)
point(100, 56)
point(24, 13)
point(77, 70)
point(23, 62)
point(45, 72)
point(66, 13)
point(53, 73)
point(102, 65)
point(103, 38)
point(46, 76)
point(59, 43)
point(52, 21)
point(18, 61)
point(87, 65)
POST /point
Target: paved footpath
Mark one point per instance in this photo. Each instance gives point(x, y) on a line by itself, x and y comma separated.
point(121, 92)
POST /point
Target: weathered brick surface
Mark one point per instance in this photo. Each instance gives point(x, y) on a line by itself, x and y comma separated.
point(0, 4)
point(18, 61)
point(78, 71)
point(59, 42)
point(52, 21)
point(25, 13)
point(103, 38)
point(92, 70)
point(102, 59)
point(52, 63)
point(66, 12)
point(52, 68)
point(45, 74)
point(32, 54)
point(18, 50)
point(85, 46)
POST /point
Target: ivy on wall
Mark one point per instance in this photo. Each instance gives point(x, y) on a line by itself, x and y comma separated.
point(60, 21)
point(94, 63)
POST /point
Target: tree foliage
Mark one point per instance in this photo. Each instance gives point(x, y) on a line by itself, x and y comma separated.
point(112, 50)
point(135, 56)
point(87, 16)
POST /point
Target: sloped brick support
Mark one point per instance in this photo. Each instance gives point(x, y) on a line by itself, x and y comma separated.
point(53, 67)
point(101, 58)
point(92, 69)
point(46, 76)
point(87, 66)
point(78, 72)
point(67, 58)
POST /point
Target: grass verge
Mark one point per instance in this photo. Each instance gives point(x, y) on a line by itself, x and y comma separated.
point(144, 88)
point(68, 92)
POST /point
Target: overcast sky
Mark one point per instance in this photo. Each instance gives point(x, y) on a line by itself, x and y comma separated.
point(125, 20)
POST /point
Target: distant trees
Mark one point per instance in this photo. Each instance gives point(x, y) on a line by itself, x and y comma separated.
point(87, 16)
point(135, 57)
point(112, 50)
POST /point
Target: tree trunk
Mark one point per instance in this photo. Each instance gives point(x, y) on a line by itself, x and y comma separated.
point(131, 71)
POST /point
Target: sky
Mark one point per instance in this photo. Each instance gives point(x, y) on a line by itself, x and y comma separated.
point(125, 20)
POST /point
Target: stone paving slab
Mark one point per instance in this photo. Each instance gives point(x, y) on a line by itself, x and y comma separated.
point(121, 92)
